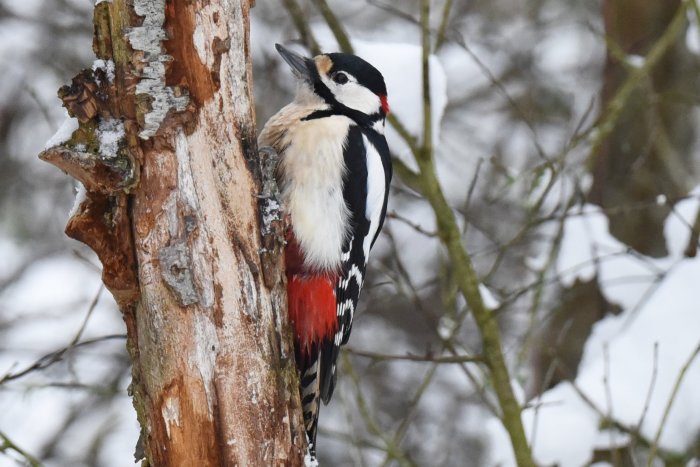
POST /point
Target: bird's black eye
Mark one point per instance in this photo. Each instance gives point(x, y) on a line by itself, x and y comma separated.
point(340, 78)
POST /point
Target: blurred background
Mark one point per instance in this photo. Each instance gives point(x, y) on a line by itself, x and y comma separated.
point(566, 141)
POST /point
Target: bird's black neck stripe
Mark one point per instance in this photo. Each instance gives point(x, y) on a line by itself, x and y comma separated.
point(362, 120)
point(316, 114)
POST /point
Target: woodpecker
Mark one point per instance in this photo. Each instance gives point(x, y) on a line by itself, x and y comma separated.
point(334, 173)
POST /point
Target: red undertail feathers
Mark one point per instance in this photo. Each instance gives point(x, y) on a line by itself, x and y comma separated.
point(311, 302)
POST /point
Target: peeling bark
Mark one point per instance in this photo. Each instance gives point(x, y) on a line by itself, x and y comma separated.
point(166, 151)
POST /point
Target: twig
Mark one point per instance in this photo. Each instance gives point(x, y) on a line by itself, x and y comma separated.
point(411, 224)
point(529, 223)
point(669, 404)
point(440, 37)
point(353, 438)
point(42, 108)
point(632, 431)
point(87, 260)
point(410, 140)
point(472, 187)
point(506, 95)
point(339, 435)
point(652, 384)
point(614, 108)
point(302, 26)
point(427, 379)
point(413, 407)
point(54, 357)
point(366, 415)
point(427, 146)
point(464, 270)
point(408, 176)
point(549, 375)
point(394, 11)
point(539, 289)
point(8, 444)
point(418, 358)
point(403, 275)
point(609, 402)
point(413, 295)
point(338, 31)
point(91, 309)
point(691, 250)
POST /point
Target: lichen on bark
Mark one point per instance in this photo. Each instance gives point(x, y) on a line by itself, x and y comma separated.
point(154, 98)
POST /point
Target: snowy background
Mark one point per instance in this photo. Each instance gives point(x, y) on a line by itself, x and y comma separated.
point(594, 284)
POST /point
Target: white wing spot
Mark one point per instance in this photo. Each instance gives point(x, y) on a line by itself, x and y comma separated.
point(376, 188)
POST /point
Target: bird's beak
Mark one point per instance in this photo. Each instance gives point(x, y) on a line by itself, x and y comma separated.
point(301, 66)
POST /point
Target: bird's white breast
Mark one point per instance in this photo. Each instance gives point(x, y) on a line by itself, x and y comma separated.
point(312, 169)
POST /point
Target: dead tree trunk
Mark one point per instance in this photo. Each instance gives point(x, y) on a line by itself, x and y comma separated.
point(166, 151)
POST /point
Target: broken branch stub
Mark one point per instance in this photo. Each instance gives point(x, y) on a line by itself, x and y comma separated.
point(98, 155)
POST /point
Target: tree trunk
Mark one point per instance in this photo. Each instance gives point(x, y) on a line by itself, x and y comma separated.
point(647, 153)
point(166, 151)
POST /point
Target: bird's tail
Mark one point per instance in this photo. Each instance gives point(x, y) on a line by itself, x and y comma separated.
point(311, 401)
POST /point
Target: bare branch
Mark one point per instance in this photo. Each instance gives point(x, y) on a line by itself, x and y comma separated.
point(302, 26)
point(610, 116)
point(440, 36)
point(338, 31)
point(652, 384)
point(676, 386)
point(9, 445)
point(411, 224)
point(56, 356)
point(428, 358)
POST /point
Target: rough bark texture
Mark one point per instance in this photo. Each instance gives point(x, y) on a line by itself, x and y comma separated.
point(172, 211)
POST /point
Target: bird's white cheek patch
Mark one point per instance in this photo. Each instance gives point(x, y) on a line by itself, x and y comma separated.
point(353, 95)
point(358, 97)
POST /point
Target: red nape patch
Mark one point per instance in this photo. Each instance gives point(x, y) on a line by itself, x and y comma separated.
point(311, 303)
point(385, 104)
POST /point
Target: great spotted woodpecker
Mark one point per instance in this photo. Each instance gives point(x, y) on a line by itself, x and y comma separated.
point(334, 174)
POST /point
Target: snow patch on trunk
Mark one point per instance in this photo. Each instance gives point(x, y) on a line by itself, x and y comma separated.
point(107, 66)
point(110, 133)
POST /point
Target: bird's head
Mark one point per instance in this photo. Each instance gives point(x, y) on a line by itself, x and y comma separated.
point(347, 84)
